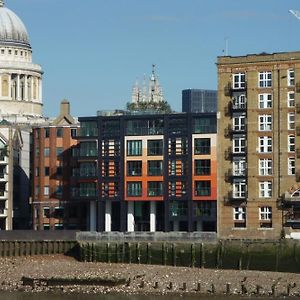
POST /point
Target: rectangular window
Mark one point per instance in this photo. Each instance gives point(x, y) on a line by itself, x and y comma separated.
point(134, 189)
point(265, 144)
point(291, 166)
point(134, 168)
point(239, 167)
point(46, 152)
point(155, 147)
point(291, 77)
point(155, 188)
point(265, 122)
point(73, 132)
point(265, 167)
point(265, 79)
point(291, 143)
point(47, 132)
point(239, 81)
point(265, 213)
point(202, 146)
point(155, 168)
point(59, 132)
point(239, 213)
point(134, 148)
point(239, 189)
point(265, 189)
point(291, 121)
point(203, 188)
point(46, 212)
point(37, 151)
point(59, 151)
point(37, 171)
point(46, 190)
point(239, 122)
point(265, 100)
point(47, 171)
point(202, 167)
point(239, 144)
point(239, 102)
point(291, 99)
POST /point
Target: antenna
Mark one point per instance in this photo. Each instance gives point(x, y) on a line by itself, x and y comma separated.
point(295, 13)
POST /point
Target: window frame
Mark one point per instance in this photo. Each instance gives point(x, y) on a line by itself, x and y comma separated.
point(265, 189)
point(265, 101)
point(265, 144)
point(265, 79)
point(265, 122)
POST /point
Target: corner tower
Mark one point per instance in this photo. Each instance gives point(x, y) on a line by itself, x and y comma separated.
point(20, 78)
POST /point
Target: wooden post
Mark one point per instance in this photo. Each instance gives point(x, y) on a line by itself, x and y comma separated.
point(107, 253)
point(202, 256)
point(138, 253)
point(193, 258)
point(148, 253)
point(228, 289)
point(174, 254)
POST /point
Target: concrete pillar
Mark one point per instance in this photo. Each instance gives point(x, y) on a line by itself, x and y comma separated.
point(108, 216)
point(25, 88)
point(40, 90)
point(18, 87)
point(199, 225)
point(92, 216)
point(175, 225)
point(130, 216)
point(152, 216)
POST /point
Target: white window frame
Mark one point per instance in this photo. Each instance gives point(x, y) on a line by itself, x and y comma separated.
point(239, 81)
point(239, 101)
point(265, 167)
point(239, 167)
point(291, 77)
point(239, 144)
point(239, 189)
point(291, 99)
point(265, 100)
point(265, 144)
point(291, 121)
point(239, 213)
point(291, 166)
point(265, 79)
point(46, 190)
point(265, 189)
point(239, 122)
point(291, 143)
point(265, 122)
point(265, 213)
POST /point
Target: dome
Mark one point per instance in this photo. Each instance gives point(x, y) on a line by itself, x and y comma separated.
point(12, 30)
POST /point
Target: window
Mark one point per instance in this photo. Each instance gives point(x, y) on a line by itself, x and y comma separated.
point(46, 190)
point(291, 99)
point(291, 166)
point(59, 190)
point(37, 151)
point(291, 77)
point(59, 171)
point(155, 147)
point(46, 212)
point(202, 167)
point(88, 149)
point(239, 81)
point(59, 132)
point(134, 189)
point(37, 171)
point(265, 144)
point(203, 208)
point(205, 125)
point(265, 214)
point(73, 132)
point(265, 122)
point(265, 100)
point(178, 208)
point(155, 188)
point(202, 146)
point(155, 168)
point(134, 148)
point(291, 121)
point(239, 189)
point(239, 144)
point(239, 102)
point(47, 132)
point(265, 167)
point(239, 167)
point(291, 143)
point(46, 152)
point(47, 171)
point(265, 189)
point(239, 122)
point(59, 151)
point(202, 188)
point(134, 168)
point(265, 79)
point(239, 213)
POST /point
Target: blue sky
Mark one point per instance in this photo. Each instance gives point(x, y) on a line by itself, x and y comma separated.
point(92, 51)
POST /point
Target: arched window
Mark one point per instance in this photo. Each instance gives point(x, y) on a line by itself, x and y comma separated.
point(296, 194)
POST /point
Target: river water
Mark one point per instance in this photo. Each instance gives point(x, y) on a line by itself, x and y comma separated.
point(29, 296)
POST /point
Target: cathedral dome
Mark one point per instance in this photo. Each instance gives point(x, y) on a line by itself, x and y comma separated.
point(12, 30)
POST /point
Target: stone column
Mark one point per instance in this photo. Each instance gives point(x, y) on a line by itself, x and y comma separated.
point(152, 216)
point(25, 88)
point(92, 216)
point(108, 216)
point(130, 216)
point(18, 87)
point(40, 89)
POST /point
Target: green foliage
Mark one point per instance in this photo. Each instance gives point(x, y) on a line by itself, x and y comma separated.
point(161, 107)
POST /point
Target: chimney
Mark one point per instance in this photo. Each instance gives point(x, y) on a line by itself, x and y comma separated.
point(65, 108)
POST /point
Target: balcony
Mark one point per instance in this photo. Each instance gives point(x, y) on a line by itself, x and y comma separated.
point(297, 87)
point(230, 199)
point(88, 132)
point(83, 192)
point(228, 176)
point(298, 108)
point(3, 177)
point(228, 153)
point(3, 194)
point(298, 130)
point(297, 175)
point(84, 172)
point(3, 159)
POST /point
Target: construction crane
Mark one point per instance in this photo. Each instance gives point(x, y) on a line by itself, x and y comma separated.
point(296, 13)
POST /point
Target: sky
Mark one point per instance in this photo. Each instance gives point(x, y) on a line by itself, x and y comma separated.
point(92, 51)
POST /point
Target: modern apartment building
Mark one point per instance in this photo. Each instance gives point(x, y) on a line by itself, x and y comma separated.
point(149, 172)
point(199, 100)
point(52, 166)
point(259, 145)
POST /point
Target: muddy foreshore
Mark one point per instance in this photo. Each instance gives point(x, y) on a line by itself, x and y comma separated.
point(138, 279)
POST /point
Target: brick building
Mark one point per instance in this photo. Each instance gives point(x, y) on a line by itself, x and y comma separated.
point(258, 145)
